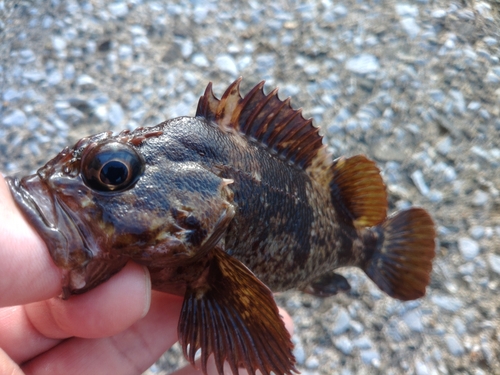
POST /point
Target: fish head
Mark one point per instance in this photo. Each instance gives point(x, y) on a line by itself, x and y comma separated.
point(111, 198)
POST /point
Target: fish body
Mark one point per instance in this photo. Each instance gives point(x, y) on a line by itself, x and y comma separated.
point(224, 208)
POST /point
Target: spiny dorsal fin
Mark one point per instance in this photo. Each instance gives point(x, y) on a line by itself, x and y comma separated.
point(266, 120)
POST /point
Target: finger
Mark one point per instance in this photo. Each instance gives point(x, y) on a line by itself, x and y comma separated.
point(130, 352)
point(8, 366)
point(212, 369)
point(104, 311)
point(28, 273)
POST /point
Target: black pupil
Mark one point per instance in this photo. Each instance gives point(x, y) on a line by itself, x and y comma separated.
point(114, 173)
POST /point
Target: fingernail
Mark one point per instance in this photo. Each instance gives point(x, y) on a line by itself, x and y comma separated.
point(148, 291)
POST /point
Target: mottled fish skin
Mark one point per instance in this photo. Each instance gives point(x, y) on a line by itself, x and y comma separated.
point(285, 228)
point(222, 208)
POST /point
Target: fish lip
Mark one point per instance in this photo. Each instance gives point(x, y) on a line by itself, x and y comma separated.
point(38, 205)
point(27, 193)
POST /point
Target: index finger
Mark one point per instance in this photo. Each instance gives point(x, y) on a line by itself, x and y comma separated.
point(26, 268)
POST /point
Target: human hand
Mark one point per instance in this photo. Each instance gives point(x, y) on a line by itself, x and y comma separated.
point(120, 327)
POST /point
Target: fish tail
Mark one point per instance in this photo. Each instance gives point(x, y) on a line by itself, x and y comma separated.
point(402, 249)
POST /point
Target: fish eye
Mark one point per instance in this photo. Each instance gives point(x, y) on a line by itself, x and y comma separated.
point(112, 166)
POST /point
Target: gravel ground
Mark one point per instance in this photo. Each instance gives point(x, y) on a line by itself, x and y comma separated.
point(415, 85)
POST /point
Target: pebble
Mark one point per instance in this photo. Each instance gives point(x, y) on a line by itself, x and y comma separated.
point(370, 357)
point(118, 9)
point(438, 13)
point(58, 43)
point(448, 303)
point(344, 345)
point(298, 350)
point(477, 232)
point(494, 261)
point(116, 114)
point(363, 343)
point(422, 368)
point(85, 80)
point(454, 345)
point(14, 118)
point(413, 320)
point(480, 198)
point(11, 95)
point(468, 248)
point(227, 64)
point(406, 10)
point(312, 363)
point(410, 26)
point(341, 322)
point(363, 64)
point(419, 181)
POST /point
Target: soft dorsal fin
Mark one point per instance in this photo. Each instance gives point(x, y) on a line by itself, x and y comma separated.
point(266, 120)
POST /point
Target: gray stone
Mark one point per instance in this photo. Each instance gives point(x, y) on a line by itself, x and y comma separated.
point(115, 114)
point(34, 76)
point(227, 64)
point(85, 80)
point(26, 56)
point(341, 322)
point(468, 248)
point(459, 100)
point(406, 10)
point(459, 326)
point(10, 95)
point(298, 351)
point(340, 10)
point(58, 43)
point(118, 9)
point(494, 261)
point(474, 106)
point(370, 357)
point(413, 320)
point(312, 363)
point(410, 26)
point(454, 345)
point(14, 118)
point(422, 368)
point(200, 60)
point(419, 181)
point(492, 78)
point(363, 64)
point(477, 232)
point(344, 345)
point(438, 13)
point(54, 78)
point(448, 303)
point(490, 41)
point(363, 343)
point(480, 198)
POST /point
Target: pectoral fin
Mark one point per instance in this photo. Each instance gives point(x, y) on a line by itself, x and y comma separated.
point(231, 314)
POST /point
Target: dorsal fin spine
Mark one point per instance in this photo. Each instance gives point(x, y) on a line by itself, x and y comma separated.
point(268, 121)
point(263, 137)
point(245, 128)
point(275, 138)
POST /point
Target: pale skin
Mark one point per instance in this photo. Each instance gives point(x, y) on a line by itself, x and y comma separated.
point(120, 327)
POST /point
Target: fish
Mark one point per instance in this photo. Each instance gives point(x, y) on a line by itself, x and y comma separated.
point(225, 208)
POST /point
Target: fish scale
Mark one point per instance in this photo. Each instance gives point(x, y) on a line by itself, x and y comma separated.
point(224, 208)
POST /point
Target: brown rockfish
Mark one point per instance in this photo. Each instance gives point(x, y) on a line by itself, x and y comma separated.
point(224, 208)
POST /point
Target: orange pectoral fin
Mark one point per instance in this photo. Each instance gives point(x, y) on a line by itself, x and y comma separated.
point(232, 315)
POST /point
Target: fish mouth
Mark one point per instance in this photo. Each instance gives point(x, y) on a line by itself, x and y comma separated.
point(39, 206)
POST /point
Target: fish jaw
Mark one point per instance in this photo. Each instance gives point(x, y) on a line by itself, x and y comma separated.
point(34, 198)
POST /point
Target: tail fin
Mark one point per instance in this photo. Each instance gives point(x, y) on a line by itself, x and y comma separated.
point(402, 259)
